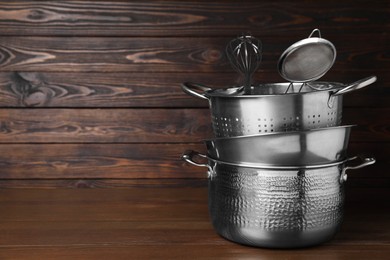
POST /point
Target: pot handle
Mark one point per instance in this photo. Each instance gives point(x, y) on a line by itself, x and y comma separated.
point(190, 88)
point(365, 161)
point(355, 86)
point(189, 155)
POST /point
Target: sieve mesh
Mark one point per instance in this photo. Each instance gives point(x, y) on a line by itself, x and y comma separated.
point(307, 60)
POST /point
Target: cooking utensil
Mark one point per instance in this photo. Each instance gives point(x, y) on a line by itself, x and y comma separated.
point(276, 207)
point(310, 147)
point(244, 54)
point(268, 109)
point(307, 60)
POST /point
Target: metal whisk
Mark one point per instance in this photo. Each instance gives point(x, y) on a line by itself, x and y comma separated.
point(244, 54)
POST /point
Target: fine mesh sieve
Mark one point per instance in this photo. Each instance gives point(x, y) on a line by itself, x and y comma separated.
point(307, 60)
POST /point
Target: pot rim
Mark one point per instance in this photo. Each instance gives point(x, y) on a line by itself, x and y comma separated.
point(231, 90)
point(287, 167)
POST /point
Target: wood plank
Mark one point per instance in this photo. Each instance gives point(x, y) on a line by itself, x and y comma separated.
point(134, 161)
point(110, 54)
point(51, 89)
point(147, 125)
point(145, 222)
point(189, 18)
point(187, 231)
point(156, 54)
point(104, 125)
point(365, 191)
point(66, 205)
point(101, 183)
point(224, 252)
point(152, 194)
point(369, 180)
point(365, 178)
point(119, 206)
point(54, 161)
point(368, 126)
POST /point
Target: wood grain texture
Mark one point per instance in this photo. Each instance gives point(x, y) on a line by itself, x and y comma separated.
point(147, 125)
point(90, 90)
point(188, 251)
point(156, 54)
point(135, 161)
point(189, 18)
point(103, 183)
point(51, 89)
point(369, 182)
point(90, 99)
point(104, 125)
point(54, 161)
point(151, 222)
point(111, 54)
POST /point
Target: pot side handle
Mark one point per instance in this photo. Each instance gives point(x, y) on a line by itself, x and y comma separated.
point(190, 88)
point(355, 86)
point(365, 161)
point(189, 155)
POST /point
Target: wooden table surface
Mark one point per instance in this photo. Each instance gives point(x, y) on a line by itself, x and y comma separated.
point(162, 222)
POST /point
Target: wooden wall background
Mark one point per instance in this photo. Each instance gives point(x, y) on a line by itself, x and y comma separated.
point(90, 90)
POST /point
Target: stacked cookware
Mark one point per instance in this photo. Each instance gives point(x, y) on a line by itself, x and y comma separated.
point(277, 164)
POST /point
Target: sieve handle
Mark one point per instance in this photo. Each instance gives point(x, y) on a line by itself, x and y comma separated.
point(355, 86)
point(365, 161)
point(315, 31)
point(190, 88)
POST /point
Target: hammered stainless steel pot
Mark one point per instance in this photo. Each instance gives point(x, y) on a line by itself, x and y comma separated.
point(307, 106)
point(276, 207)
point(299, 148)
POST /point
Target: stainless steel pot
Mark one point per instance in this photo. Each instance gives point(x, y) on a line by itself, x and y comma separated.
point(276, 207)
point(306, 106)
point(299, 148)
